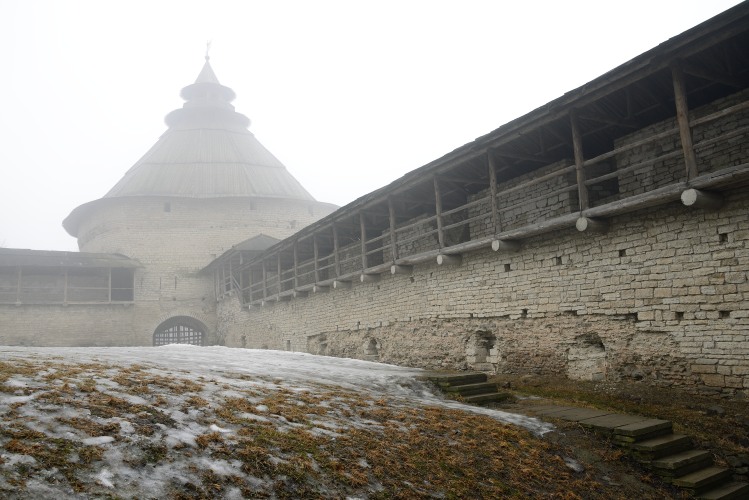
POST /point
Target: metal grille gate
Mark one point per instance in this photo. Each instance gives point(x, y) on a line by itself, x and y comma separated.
point(178, 334)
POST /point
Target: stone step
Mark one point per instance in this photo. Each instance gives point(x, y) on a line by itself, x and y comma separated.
point(661, 446)
point(487, 398)
point(703, 479)
point(607, 424)
point(727, 491)
point(682, 463)
point(471, 389)
point(447, 380)
point(641, 431)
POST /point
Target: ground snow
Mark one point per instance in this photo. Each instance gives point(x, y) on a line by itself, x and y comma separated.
point(222, 373)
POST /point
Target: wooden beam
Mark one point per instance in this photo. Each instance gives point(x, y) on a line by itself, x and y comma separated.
point(438, 208)
point(563, 140)
point(363, 236)
point(320, 289)
point(464, 180)
point(393, 241)
point(577, 145)
point(278, 275)
point(336, 250)
point(506, 245)
point(701, 199)
point(296, 263)
point(300, 294)
point(449, 260)
point(316, 257)
point(496, 224)
point(592, 225)
point(341, 285)
point(682, 117)
point(523, 157)
point(265, 282)
point(369, 278)
point(609, 120)
point(711, 75)
point(395, 269)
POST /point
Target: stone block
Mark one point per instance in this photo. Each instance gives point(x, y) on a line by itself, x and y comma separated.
point(713, 380)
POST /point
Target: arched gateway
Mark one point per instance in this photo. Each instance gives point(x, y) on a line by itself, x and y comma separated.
point(180, 330)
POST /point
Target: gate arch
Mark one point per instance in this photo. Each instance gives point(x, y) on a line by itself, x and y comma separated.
point(180, 330)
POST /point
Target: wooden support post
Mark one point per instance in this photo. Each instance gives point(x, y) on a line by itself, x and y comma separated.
point(395, 269)
point(449, 260)
point(248, 287)
point(369, 278)
point(506, 245)
point(701, 199)
point(341, 285)
point(278, 271)
point(336, 258)
point(296, 263)
point(265, 281)
point(316, 256)
point(231, 277)
point(496, 228)
point(592, 225)
point(577, 146)
point(393, 242)
point(363, 236)
point(682, 117)
point(438, 209)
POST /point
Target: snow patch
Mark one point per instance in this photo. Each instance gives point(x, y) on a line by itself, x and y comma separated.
point(94, 441)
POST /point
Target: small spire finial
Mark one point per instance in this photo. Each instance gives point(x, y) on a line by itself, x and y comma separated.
point(207, 50)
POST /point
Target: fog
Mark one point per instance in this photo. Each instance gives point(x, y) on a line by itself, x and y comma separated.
point(348, 95)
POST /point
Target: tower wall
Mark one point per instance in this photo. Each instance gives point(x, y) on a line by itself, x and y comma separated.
point(174, 238)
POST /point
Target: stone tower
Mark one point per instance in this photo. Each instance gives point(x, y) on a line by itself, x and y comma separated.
point(206, 185)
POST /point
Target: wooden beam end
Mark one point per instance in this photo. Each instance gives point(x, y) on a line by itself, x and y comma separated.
point(701, 199)
point(396, 269)
point(449, 260)
point(506, 245)
point(592, 225)
point(369, 278)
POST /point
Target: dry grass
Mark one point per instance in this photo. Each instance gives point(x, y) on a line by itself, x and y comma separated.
point(323, 443)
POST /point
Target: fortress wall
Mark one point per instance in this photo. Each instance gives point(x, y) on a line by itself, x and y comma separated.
point(72, 325)
point(98, 325)
point(664, 295)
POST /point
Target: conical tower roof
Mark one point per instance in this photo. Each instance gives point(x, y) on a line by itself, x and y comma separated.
point(207, 152)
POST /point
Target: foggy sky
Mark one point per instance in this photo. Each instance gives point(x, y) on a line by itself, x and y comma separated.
point(348, 95)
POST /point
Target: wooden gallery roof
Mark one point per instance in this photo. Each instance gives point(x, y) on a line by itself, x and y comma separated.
point(14, 257)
